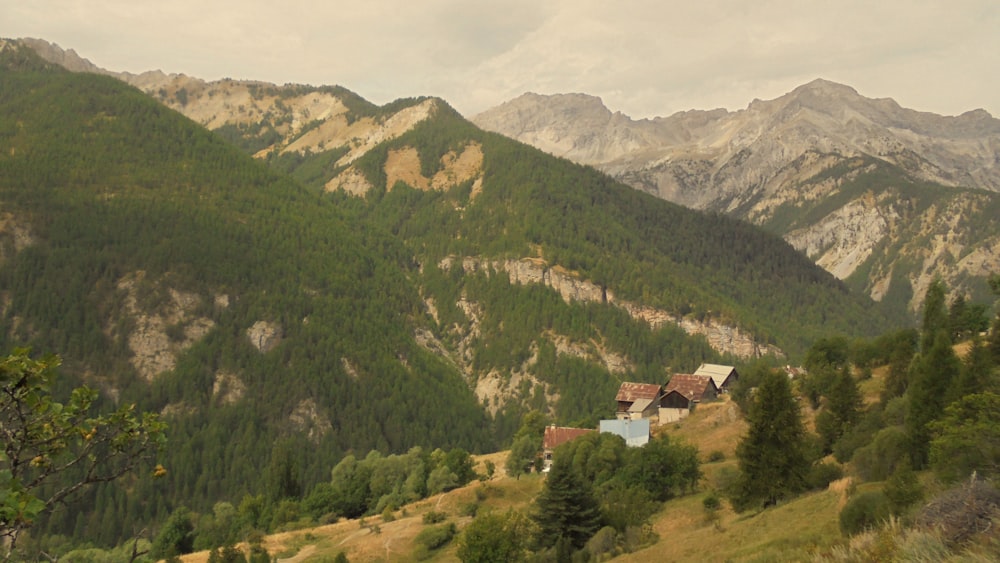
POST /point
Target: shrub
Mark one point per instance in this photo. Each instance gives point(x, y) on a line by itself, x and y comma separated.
point(867, 510)
point(878, 460)
point(434, 517)
point(903, 489)
point(469, 509)
point(822, 474)
point(711, 502)
point(434, 537)
point(605, 541)
point(388, 514)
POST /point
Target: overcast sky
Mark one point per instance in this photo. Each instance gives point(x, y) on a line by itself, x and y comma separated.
point(643, 57)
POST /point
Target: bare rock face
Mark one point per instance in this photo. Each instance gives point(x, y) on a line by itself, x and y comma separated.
point(844, 239)
point(228, 388)
point(264, 336)
point(163, 323)
point(15, 236)
point(308, 419)
point(723, 338)
point(743, 149)
point(796, 150)
point(302, 119)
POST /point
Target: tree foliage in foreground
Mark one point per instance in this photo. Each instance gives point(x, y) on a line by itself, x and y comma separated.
point(967, 438)
point(52, 450)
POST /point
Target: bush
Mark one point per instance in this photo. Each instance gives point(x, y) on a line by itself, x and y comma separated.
point(822, 474)
point(434, 517)
point(388, 514)
point(865, 511)
point(903, 489)
point(711, 502)
point(878, 460)
point(716, 455)
point(434, 537)
point(605, 541)
point(469, 509)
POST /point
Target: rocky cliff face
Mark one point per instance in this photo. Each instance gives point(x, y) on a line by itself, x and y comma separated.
point(734, 150)
point(723, 338)
point(290, 119)
point(793, 155)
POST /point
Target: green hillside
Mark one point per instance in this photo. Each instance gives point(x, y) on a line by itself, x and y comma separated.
point(642, 248)
point(278, 328)
point(109, 184)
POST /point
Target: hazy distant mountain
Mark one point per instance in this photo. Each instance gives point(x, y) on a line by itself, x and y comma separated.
point(830, 170)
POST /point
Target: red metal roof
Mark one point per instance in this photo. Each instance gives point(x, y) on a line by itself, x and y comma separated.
point(631, 392)
point(691, 386)
point(556, 435)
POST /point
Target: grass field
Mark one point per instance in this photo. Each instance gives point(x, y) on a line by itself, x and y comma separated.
point(793, 531)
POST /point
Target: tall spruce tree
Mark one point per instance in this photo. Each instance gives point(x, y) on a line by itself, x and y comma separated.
point(977, 374)
point(843, 408)
point(566, 508)
point(772, 456)
point(932, 380)
point(935, 315)
point(994, 342)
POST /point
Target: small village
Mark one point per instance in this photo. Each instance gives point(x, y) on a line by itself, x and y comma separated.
point(642, 406)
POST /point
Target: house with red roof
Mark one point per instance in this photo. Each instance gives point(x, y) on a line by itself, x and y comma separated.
point(638, 400)
point(682, 392)
point(555, 436)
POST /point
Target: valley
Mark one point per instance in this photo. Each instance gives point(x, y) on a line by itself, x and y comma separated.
point(336, 307)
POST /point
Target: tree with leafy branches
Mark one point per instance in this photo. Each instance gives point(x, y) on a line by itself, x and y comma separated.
point(52, 450)
point(495, 537)
point(524, 451)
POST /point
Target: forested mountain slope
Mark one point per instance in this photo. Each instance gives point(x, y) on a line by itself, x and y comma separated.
point(880, 194)
point(169, 268)
point(427, 290)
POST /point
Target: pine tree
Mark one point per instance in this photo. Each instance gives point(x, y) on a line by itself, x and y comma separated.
point(843, 409)
point(844, 400)
point(977, 370)
point(932, 380)
point(566, 507)
point(772, 459)
point(935, 317)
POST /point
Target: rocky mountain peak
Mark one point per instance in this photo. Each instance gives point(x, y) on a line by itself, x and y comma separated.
point(781, 153)
point(821, 87)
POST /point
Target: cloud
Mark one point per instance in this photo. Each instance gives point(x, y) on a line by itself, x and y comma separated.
point(643, 57)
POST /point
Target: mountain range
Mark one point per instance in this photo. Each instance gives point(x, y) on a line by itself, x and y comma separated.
point(883, 197)
point(869, 190)
point(292, 268)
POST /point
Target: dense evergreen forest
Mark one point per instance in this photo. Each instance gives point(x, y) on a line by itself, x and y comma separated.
point(115, 209)
point(109, 183)
point(643, 248)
